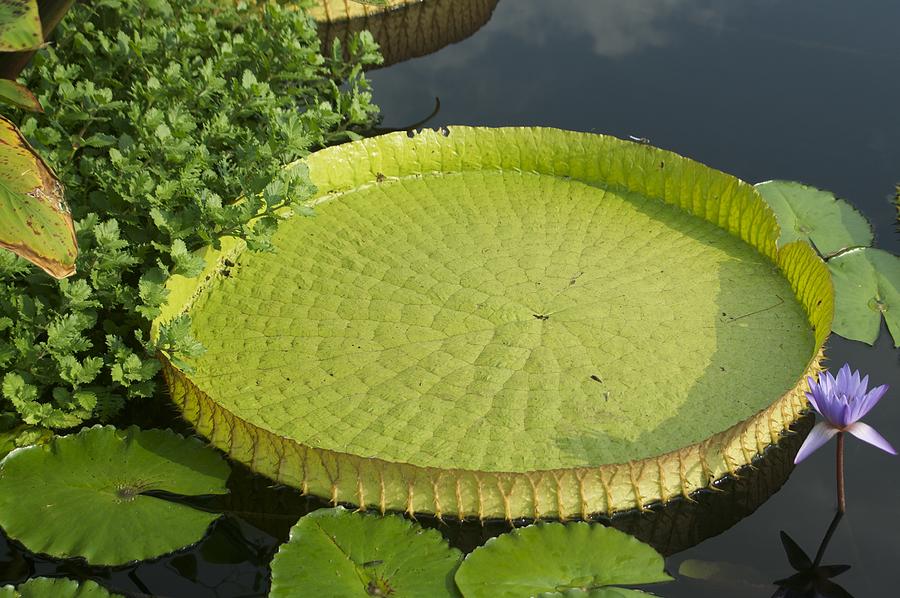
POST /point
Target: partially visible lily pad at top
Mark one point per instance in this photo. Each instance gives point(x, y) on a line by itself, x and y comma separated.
point(87, 490)
point(342, 554)
point(45, 587)
point(808, 214)
point(866, 288)
point(555, 559)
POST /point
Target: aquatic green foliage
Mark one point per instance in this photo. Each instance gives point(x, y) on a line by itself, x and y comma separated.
point(866, 280)
point(45, 587)
point(20, 25)
point(816, 216)
point(556, 559)
point(866, 289)
point(163, 114)
point(87, 492)
point(336, 552)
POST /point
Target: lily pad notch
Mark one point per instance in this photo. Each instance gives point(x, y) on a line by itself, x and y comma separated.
point(866, 279)
point(591, 164)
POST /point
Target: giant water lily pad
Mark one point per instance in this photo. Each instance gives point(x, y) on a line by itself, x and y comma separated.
point(505, 323)
point(334, 552)
point(86, 492)
point(404, 29)
point(550, 560)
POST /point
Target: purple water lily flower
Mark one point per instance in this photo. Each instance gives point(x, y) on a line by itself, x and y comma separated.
point(842, 402)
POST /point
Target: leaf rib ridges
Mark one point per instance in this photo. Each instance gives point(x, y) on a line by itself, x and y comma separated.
point(506, 323)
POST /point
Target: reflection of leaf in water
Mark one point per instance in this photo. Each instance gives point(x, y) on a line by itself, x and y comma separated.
point(812, 579)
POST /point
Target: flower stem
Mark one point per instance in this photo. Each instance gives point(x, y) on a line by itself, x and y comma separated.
point(842, 501)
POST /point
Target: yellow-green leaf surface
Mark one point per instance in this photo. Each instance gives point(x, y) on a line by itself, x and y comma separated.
point(18, 95)
point(86, 490)
point(35, 221)
point(575, 559)
point(809, 214)
point(866, 288)
point(20, 25)
point(341, 554)
point(505, 323)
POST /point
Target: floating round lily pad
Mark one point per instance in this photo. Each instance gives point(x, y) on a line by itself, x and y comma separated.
point(46, 587)
point(85, 490)
point(555, 559)
point(866, 288)
point(809, 214)
point(335, 552)
point(505, 323)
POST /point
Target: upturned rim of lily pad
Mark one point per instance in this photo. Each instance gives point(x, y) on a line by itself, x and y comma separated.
point(575, 492)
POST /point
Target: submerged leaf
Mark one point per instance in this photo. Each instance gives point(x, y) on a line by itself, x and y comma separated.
point(809, 214)
point(35, 221)
point(20, 26)
point(866, 288)
point(87, 491)
point(335, 552)
point(556, 559)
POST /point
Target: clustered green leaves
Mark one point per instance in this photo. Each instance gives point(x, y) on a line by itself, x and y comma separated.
point(160, 115)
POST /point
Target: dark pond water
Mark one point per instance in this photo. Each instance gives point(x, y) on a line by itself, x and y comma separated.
point(804, 90)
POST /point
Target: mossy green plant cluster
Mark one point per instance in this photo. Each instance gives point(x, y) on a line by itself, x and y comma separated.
point(169, 123)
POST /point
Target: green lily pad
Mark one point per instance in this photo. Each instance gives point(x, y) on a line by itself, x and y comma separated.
point(335, 552)
point(18, 95)
point(20, 26)
point(35, 221)
point(809, 214)
point(866, 288)
point(86, 490)
point(45, 587)
point(504, 323)
point(555, 559)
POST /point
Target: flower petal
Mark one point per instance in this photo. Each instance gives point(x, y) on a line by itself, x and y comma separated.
point(867, 433)
point(820, 434)
point(835, 410)
point(826, 384)
point(865, 403)
point(844, 381)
